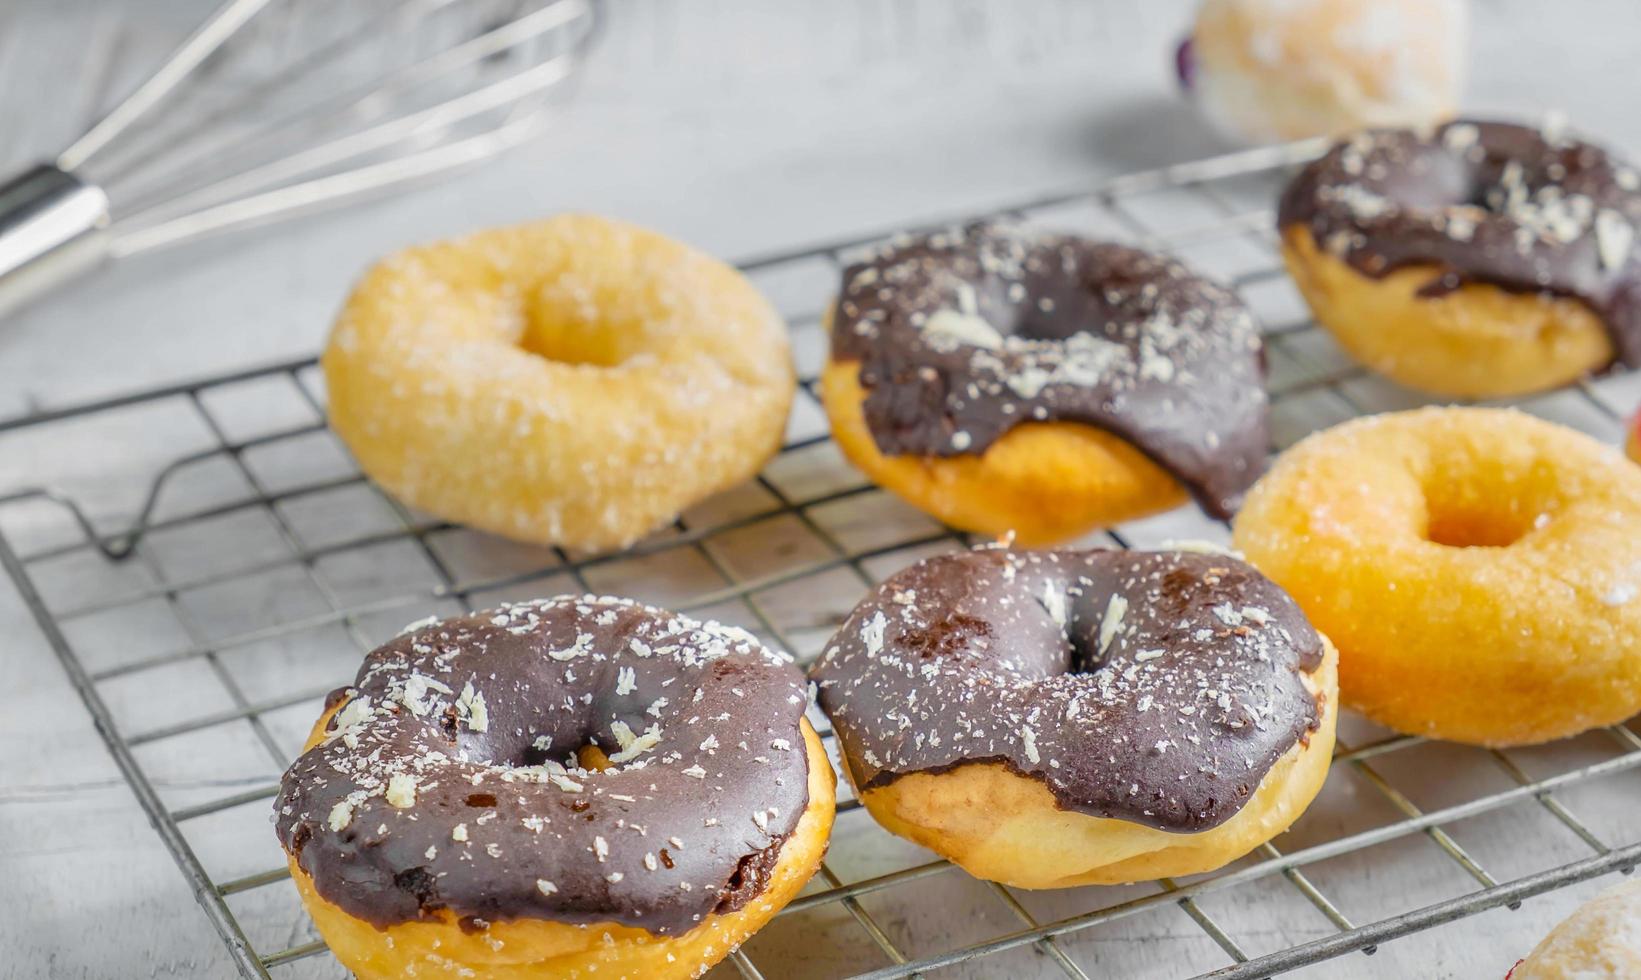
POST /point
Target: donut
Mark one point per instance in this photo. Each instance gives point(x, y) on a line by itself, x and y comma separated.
point(576, 381)
point(1266, 71)
point(1480, 570)
point(1058, 718)
point(1601, 939)
point(1473, 260)
point(1005, 380)
point(572, 787)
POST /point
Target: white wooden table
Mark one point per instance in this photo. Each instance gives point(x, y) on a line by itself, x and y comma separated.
point(741, 126)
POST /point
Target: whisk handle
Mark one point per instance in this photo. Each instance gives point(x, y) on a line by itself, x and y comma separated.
point(53, 227)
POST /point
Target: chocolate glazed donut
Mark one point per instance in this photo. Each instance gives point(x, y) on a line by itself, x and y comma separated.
point(960, 339)
point(576, 761)
point(1151, 713)
point(1472, 204)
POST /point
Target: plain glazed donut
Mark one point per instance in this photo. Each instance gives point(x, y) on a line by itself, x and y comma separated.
point(1266, 71)
point(575, 787)
point(1480, 570)
point(1049, 719)
point(576, 381)
point(1475, 260)
point(1003, 380)
point(1602, 939)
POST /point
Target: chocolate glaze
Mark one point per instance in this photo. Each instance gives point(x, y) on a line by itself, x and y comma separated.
point(1166, 712)
point(481, 718)
point(1483, 202)
point(962, 335)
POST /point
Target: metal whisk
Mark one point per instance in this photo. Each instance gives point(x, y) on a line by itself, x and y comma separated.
point(274, 107)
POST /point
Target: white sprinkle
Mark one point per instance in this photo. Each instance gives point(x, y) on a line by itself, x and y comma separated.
point(1029, 737)
point(872, 633)
point(709, 743)
point(626, 681)
point(546, 887)
point(459, 832)
point(696, 772)
point(947, 328)
point(614, 876)
point(431, 852)
point(1460, 137)
point(574, 650)
point(1145, 655)
point(1613, 237)
point(401, 790)
point(650, 863)
point(1111, 622)
point(352, 717)
point(419, 624)
point(470, 706)
point(1256, 615)
point(1228, 615)
point(340, 815)
point(633, 746)
point(1054, 601)
point(601, 847)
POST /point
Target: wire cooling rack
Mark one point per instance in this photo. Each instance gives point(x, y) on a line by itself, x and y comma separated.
point(213, 563)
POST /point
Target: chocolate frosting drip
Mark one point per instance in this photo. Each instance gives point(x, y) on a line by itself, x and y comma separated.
point(1153, 687)
point(1487, 203)
point(450, 779)
point(964, 334)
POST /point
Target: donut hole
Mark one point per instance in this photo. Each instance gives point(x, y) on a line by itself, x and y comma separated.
point(1469, 509)
point(1086, 657)
point(570, 324)
point(1462, 529)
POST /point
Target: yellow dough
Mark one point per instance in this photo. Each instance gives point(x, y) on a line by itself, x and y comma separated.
point(1479, 570)
point(1045, 481)
point(1479, 341)
point(576, 381)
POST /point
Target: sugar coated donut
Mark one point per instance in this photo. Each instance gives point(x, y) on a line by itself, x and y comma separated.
point(1479, 569)
point(577, 381)
point(1273, 70)
point(1048, 719)
point(1005, 380)
point(570, 788)
point(1473, 260)
point(1601, 940)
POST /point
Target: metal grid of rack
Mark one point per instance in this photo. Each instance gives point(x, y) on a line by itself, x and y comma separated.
point(258, 562)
